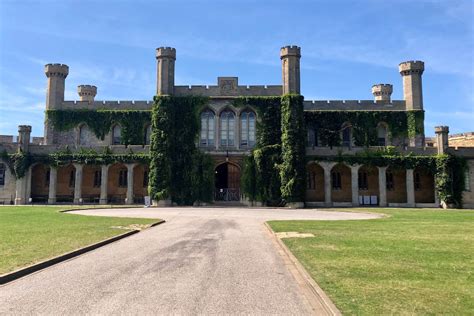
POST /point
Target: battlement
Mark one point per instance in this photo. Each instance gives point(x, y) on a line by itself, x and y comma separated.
point(382, 91)
point(441, 129)
point(353, 105)
point(56, 70)
point(290, 50)
point(107, 105)
point(87, 92)
point(169, 52)
point(411, 67)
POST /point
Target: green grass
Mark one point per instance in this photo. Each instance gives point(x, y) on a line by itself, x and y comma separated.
point(29, 234)
point(411, 262)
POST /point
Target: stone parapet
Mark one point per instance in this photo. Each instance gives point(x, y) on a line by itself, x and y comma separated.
point(359, 105)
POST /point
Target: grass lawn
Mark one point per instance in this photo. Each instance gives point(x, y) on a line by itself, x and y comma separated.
point(412, 262)
point(29, 234)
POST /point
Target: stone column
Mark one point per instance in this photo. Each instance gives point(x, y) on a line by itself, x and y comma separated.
point(130, 167)
point(104, 177)
point(53, 180)
point(410, 188)
point(327, 166)
point(22, 191)
point(382, 186)
point(78, 184)
point(237, 131)
point(355, 184)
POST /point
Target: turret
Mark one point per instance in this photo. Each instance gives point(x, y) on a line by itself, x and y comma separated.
point(87, 92)
point(165, 57)
point(56, 74)
point(411, 72)
point(290, 63)
point(24, 132)
point(382, 92)
point(442, 138)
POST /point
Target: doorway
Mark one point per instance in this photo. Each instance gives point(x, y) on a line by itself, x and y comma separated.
point(227, 182)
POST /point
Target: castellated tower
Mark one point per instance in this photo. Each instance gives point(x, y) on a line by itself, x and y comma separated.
point(56, 74)
point(290, 63)
point(87, 92)
point(165, 57)
point(411, 72)
point(382, 92)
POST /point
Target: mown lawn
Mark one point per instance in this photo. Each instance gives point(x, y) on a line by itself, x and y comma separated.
point(29, 234)
point(412, 262)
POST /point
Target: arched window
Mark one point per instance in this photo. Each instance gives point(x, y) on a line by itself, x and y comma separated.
point(83, 135)
point(227, 127)
point(2, 174)
point(147, 134)
point(207, 128)
point(312, 136)
point(382, 135)
point(116, 135)
point(346, 135)
point(247, 129)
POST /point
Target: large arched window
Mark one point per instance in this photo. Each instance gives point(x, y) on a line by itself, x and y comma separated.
point(346, 135)
point(312, 136)
point(147, 134)
point(116, 135)
point(247, 129)
point(207, 128)
point(227, 126)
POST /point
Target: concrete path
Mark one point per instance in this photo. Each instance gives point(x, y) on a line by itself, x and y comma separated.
point(202, 261)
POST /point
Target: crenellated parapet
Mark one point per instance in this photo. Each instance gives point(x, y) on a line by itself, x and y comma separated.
point(107, 105)
point(165, 59)
point(411, 72)
point(353, 105)
point(290, 64)
point(411, 67)
point(87, 92)
point(382, 92)
point(56, 70)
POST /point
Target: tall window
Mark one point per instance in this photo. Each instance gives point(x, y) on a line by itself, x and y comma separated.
point(311, 181)
point(247, 129)
point(346, 135)
point(2, 174)
point(83, 135)
point(116, 135)
point(336, 180)
point(227, 127)
point(381, 135)
point(312, 136)
point(97, 178)
point(123, 178)
point(147, 134)
point(207, 128)
point(363, 183)
point(389, 180)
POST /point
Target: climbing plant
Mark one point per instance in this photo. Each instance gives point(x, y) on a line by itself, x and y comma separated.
point(132, 122)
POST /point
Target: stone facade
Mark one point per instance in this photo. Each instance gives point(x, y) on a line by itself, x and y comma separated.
point(227, 134)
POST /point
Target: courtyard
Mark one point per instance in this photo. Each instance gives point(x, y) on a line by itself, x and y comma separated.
point(223, 260)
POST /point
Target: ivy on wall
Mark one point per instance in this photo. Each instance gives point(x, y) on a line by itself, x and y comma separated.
point(328, 125)
point(133, 122)
point(175, 160)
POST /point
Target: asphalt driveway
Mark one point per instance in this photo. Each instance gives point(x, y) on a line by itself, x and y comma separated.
point(201, 261)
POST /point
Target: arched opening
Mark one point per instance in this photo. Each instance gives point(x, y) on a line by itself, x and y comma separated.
point(396, 185)
point(346, 134)
point(227, 182)
point(312, 136)
point(85, 136)
point(117, 183)
point(91, 182)
point(424, 185)
point(247, 129)
point(227, 128)
point(140, 183)
point(341, 185)
point(368, 185)
point(382, 134)
point(40, 175)
point(314, 183)
point(65, 184)
point(207, 128)
point(116, 135)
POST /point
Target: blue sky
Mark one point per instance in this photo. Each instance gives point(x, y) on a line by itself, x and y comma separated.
point(347, 46)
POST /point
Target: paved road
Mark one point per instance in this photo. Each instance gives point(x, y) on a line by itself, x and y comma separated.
point(201, 261)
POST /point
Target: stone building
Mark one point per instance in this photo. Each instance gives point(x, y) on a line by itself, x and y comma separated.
point(228, 133)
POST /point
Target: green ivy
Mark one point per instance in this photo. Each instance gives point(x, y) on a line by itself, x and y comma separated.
point(174, 156)
point(133, 122)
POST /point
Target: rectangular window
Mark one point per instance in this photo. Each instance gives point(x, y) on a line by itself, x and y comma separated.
point(389, 181)
point(336, 180)
point(363, 183)
point(2, 174)
point(97, 178)
point(417, 181)
point(72, 178)
point(123, 178)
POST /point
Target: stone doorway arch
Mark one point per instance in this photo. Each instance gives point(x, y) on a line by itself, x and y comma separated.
point(227, 182)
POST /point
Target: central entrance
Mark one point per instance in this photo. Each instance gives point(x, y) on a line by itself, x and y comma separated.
point(227, 181)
